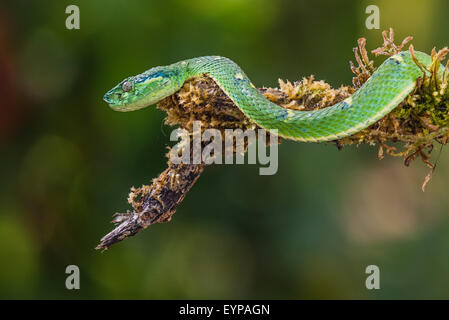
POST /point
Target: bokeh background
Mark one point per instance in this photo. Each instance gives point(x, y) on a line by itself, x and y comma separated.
point(68, 161)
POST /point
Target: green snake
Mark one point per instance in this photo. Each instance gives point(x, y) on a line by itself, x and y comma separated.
point(387, 87)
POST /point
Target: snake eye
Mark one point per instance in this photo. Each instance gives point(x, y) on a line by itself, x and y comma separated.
point(126, 86)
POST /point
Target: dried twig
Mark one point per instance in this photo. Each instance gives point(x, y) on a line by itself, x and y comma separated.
point(157, 205)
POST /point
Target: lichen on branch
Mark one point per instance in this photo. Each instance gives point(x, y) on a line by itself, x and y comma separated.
point(419, 121)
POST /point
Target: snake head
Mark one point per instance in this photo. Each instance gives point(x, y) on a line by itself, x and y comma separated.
point(143, 90)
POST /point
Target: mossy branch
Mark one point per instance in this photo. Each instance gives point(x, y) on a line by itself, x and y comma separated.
point(410, 131)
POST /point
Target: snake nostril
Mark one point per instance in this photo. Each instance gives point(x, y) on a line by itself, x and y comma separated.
point(119, 95)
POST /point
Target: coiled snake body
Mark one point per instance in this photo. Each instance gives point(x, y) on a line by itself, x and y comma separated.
point(384, 90)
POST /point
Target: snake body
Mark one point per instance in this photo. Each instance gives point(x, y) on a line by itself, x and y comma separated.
point(388, 86)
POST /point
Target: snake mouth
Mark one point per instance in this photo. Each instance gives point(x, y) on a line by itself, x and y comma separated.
point(117, 103)
point(118, 106)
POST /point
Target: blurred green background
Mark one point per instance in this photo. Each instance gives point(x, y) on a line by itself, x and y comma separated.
point(67, 160)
